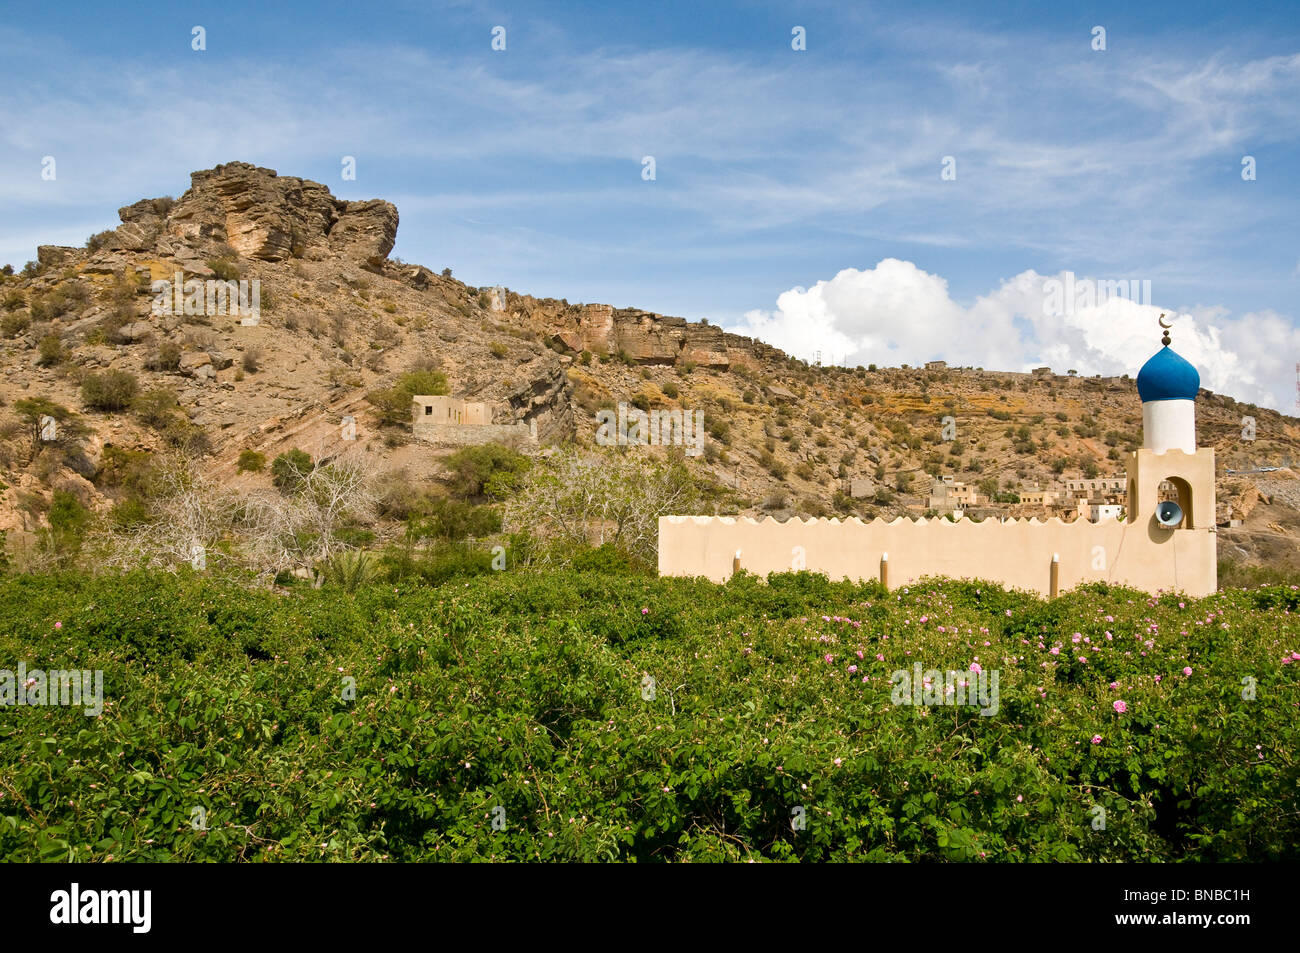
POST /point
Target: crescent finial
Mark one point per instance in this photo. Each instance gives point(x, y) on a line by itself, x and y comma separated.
point(1165, 340)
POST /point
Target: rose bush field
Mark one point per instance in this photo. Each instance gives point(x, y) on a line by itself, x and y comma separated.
point(572, 715)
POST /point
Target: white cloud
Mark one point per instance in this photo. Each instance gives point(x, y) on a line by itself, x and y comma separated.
point(896, 313)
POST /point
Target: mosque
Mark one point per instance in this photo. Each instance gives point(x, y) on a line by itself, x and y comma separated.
point(1166, 542)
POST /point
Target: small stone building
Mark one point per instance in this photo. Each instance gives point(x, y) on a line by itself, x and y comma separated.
point(450, 420)
point(426, 411)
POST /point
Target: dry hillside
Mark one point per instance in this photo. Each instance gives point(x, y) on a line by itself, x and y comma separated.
point(340, 319)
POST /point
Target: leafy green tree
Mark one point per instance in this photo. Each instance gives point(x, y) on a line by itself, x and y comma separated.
point(70, 429)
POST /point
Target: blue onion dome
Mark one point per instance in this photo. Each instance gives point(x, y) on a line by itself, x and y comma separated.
point(1167, 377)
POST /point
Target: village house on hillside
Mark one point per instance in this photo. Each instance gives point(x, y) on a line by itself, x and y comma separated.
point(452, 421)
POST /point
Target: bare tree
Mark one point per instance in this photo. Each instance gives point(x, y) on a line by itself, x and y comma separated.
point(268, 532)
point(191, 514)
point(614, 497)
point(301, 529)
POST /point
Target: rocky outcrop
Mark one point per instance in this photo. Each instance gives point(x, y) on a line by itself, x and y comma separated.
point(537, 392)
point(642, 336)
point(365, 231)
point(259, 214)
point(54, 256)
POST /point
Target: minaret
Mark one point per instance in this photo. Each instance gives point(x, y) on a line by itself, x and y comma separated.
point(1168, 385)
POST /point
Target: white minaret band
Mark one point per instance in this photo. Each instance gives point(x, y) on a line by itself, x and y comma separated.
point(1169, 425)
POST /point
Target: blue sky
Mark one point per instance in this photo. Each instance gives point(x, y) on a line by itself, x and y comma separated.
point(786, 182)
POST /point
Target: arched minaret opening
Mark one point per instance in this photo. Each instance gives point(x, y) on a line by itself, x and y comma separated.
point(1179, 491)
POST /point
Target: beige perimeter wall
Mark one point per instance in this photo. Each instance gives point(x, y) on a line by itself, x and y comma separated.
point(1017, 554)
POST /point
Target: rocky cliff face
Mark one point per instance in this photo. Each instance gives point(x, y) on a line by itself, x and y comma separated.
point(259, 214)
point(645, 337)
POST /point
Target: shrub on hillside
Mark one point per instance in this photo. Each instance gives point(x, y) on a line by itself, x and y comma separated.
point(250, 461)
point(157, 407)
point(225, 269)
point(490, 470)
point(99, 240)
point(290, 469)
point(12, 325)
point(110, 390)
point(50, 351)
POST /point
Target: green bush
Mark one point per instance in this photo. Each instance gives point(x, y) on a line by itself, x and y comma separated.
point(110, 390)
point(157, 407)
point(250, 461)
point(606, 558)
point(289, 469)
point(351, 569)
point(166, 358)
point(13, 299)
point(12, 325)
point(225, 269)
point(68, 519)
point(452, 520)
point(437, 566)
point(122, 468)
point(490, 470)
point(99, 240)
point(50, 351)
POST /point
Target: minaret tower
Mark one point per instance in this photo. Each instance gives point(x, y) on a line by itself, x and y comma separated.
point(1168, 385)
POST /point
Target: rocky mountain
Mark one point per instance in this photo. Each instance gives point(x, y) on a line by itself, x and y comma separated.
point(340, 319)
